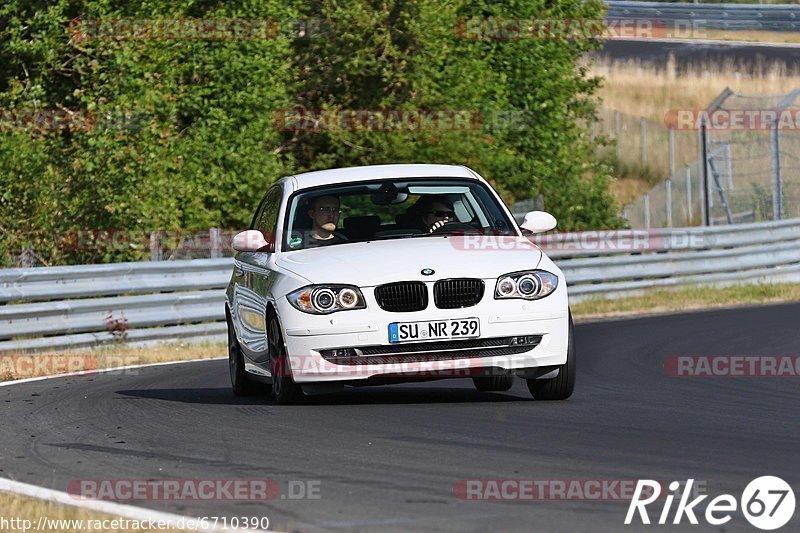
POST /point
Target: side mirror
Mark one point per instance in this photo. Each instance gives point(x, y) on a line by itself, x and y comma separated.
point(538, 222)
point(251, 240)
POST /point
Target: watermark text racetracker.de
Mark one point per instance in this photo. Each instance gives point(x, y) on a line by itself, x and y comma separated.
point(402, 120)
point(733, 119)
point(514, 29)
point(348, 363)
point(733, 366)
point(603, 241)
point(21, 366)
point(131, 490)
point(120, 239)
point(606, 490)
point(194, 29)
point(207, 29)
point(61, 119)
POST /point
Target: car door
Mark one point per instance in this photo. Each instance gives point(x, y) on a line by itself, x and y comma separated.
point(254, 272)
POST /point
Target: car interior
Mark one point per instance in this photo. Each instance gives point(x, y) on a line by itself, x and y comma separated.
point(365, 227)
point(384, 210)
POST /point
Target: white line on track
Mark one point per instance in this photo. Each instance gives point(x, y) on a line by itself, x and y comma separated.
point(112, 508)
point(104, 370)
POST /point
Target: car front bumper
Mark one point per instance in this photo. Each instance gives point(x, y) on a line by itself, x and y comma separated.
point(308, 337)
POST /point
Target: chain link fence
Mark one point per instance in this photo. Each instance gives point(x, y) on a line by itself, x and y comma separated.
point(644, 147)
point(755, 168)
point(751, 146)
point(676, 202)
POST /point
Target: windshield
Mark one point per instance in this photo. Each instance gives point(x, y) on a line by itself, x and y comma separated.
point(391, 209)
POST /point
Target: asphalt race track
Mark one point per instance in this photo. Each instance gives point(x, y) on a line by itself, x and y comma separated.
point(388, 458)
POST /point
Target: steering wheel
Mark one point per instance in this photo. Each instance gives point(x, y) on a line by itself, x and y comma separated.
point(451, 226)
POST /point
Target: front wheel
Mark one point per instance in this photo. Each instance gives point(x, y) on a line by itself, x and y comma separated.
point(561, 386)
point(284, 389)
point(241, 385)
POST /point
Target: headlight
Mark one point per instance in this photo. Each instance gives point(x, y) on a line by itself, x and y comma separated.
point(324, 299)
point(506, 287)
point(348, 298)
point(528, 285)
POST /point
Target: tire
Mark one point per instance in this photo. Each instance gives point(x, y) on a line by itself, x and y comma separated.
point(284, 389)
point(240, 383)
point(494, 383)
point(561, 386)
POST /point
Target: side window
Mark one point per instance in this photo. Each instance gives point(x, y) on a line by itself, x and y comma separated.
point(266, 218)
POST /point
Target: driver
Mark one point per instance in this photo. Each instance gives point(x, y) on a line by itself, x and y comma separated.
point(324, 213)
point(434, 211)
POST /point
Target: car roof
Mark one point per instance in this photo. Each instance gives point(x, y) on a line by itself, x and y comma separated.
point(375, 172)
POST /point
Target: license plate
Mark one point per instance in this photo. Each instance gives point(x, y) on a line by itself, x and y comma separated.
point(434, 330)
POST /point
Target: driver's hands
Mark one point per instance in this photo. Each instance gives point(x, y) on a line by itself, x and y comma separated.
point(438, 224)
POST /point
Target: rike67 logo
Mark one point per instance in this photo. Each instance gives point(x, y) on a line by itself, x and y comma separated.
point(767, 503)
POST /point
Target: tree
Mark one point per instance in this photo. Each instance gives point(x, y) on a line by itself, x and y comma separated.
point(180, 132)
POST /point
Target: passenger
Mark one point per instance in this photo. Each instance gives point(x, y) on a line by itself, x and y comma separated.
point(433, 212)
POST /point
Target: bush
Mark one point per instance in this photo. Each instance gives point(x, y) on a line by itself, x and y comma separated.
point(182, 135)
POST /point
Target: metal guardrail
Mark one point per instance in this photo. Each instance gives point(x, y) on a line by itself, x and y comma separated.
point(82, 306)
point(86, 305)
point(772, 17)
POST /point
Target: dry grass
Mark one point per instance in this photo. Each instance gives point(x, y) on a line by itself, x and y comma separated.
point(643, 90)
point(754, 36)
point(32, 509)
point(686, 299)
point(627, 189)
point(637, 90)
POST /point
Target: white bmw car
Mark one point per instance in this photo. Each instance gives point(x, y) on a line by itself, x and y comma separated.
point(382, 274)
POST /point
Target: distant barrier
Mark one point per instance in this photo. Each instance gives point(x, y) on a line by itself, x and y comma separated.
point(771, 17)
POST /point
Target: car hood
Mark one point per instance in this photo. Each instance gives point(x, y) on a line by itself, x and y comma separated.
point(372, 263)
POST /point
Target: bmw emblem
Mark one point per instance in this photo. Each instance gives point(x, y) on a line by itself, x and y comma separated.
point(427, 272)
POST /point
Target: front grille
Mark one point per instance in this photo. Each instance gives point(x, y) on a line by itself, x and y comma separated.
point(402, 297)
point(456, 293)
point(417, 352)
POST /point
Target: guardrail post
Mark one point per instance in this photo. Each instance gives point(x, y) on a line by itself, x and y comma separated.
point(777, 193)
point(617, 131)
point(668, 185)
point(216, 242)
point(26, 259)
point(671, 152)
point(155, 246)
point(689, 193)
